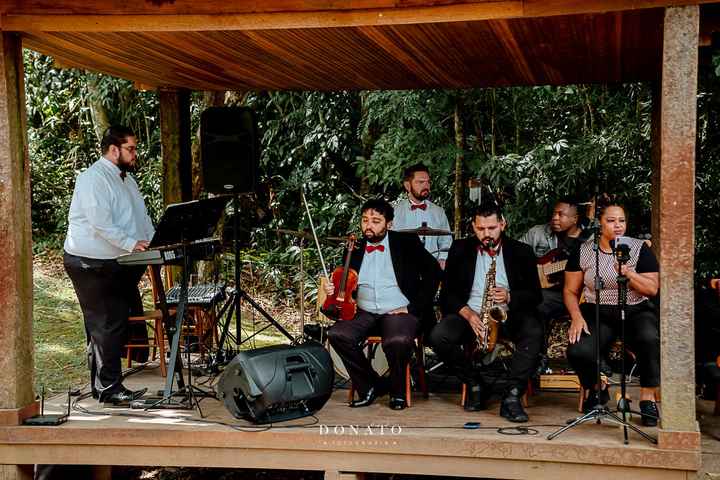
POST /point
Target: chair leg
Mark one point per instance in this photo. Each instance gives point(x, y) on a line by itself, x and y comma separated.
point(463, 395)
point(160, 342)
point(408, 386)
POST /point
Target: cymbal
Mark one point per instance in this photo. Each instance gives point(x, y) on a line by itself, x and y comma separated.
point(426, 231)
point(308, 235)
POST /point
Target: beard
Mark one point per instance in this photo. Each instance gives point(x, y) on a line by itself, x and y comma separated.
point(124, 164)
point(372, 237)
point(422, 194)
point(489, 242)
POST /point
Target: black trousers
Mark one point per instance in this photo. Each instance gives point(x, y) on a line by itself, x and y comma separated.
point(108, 294)
point(523, 328)
point(398, 340)
point(642, 336)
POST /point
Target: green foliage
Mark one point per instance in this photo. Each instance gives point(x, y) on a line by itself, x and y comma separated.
point(528, 145)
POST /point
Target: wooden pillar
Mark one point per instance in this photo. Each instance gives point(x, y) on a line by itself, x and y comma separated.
point(674, 223)
point(16, 339)
point(175, 142)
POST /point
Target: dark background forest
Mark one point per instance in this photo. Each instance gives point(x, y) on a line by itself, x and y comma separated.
point(529, 145)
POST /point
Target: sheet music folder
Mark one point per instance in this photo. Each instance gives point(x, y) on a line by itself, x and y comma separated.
point(189, 221)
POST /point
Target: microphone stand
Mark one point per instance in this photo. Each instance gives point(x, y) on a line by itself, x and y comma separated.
point(622, 255)
point(600, 411)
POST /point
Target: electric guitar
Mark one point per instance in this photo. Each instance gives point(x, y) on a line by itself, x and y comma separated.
point(550, 268)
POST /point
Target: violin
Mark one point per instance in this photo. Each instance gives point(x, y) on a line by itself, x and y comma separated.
point(341, 305)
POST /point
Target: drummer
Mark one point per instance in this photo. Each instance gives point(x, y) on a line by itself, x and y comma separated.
point(417, 212)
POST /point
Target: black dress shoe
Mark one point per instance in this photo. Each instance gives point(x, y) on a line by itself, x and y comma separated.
point(367, 400)
point(650, 414)
point(511, 407)
point(122, 396)
point(397, 403)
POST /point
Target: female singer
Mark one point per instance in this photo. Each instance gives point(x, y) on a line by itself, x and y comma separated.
point(642, 329)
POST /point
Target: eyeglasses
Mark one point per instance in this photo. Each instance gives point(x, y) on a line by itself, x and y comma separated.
point(131, 149)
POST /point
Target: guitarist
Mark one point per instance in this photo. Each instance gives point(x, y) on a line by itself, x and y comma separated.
point(554, 242)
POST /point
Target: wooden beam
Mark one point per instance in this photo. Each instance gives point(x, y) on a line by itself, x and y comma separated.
point(175, 143)
point(207, 16)
point(676, 221)
point(16, 340)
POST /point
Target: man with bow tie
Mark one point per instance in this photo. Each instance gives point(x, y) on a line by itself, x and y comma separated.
point(517, 287)
point(107, 219)
point(397, 281)
point(417, 211)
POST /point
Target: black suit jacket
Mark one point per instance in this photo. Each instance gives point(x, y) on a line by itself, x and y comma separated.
point(416, 270)
point(520, 267)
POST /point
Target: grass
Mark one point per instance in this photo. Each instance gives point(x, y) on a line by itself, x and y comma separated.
point(58, 332)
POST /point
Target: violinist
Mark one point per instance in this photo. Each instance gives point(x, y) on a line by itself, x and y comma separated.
point(397, 280)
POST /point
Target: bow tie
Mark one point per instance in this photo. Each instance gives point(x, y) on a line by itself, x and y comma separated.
point(490, 251)
point(421, 206)
point(372, 248)
point(123, 175)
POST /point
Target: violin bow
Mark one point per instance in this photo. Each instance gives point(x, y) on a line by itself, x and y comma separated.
point(312, 228)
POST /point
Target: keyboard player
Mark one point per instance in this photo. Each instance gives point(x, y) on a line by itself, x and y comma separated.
point(107, 219)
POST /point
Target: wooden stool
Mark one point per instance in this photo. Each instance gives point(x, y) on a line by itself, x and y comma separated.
point(155, 320)
point(373, 342)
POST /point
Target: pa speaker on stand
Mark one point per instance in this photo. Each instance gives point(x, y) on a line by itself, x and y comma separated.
point(230, 149)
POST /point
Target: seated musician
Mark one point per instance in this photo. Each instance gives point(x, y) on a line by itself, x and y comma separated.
point(464, 288)
point(397, 280)
point(417, 210)
point(552, 242)
point(641, 324)
point(707, 335)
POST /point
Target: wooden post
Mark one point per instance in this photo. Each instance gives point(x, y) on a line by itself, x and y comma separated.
point(675, 223)
point(16, 300)
point(175, 141)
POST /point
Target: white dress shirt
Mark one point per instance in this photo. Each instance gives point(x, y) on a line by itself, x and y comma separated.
point(433, 216)
point(107, 214)
point(378, 290)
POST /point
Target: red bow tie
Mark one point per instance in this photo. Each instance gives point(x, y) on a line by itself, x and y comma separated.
point(490, 251)
point(421, 206)
point(372, 248)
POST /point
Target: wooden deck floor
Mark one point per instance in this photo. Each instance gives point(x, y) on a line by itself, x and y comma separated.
point(425, 439)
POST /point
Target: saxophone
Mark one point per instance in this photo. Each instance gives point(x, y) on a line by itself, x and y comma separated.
point(492, 314)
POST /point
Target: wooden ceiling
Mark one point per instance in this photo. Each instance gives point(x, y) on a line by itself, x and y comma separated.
point(480, 44)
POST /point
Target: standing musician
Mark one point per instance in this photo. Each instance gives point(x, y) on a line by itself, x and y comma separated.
point(107, 219)
point(416, 211)
point(397, 280)
point(641, 323)
point(517, 288)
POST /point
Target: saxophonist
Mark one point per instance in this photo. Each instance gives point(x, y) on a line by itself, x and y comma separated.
point(470, 291)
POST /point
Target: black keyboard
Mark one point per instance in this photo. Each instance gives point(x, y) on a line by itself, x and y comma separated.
point(172, 254)
point(203, 294)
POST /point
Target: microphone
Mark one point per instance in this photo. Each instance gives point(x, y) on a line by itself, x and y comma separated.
point(620, 249)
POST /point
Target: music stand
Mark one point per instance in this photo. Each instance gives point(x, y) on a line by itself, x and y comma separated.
point(183, 224)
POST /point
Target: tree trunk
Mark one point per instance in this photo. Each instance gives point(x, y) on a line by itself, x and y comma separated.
point(368, 138)
point(459, 160)
point(97, 109)
point(492, 122)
